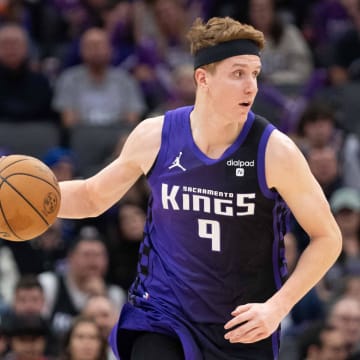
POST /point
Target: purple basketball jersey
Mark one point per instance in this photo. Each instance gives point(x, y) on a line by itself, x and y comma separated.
point(213, 237)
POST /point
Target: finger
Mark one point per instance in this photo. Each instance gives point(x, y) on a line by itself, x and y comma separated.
point(237, 321)
point(250, 337)
point(245, 334)
point(241, 330)
point(241, 315)
point(240, 309)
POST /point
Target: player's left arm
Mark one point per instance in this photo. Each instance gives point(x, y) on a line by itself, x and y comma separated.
point(287, 171)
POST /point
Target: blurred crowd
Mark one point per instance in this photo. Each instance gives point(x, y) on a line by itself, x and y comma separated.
point(92, 70)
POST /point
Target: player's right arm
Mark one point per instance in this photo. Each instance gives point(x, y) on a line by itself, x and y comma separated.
point(91, 197)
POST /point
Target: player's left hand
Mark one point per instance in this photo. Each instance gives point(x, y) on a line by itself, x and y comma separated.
point(252, 322)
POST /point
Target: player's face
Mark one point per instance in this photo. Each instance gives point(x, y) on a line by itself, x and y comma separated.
point(233, 85)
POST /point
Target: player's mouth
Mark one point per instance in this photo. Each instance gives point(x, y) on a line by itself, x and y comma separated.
point(245, 104)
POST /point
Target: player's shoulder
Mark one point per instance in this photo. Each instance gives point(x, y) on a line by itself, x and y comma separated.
point(144, 142)
point(282, 143)
point(283, 159)
point(145, 137)
point(152, 121)
point(150, 127)
point(282, 152)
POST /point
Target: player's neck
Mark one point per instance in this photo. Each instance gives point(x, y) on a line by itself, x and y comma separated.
point(213, 134)
point(212, 123)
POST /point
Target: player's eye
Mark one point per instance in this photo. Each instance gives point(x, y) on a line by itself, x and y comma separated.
point(238, 73)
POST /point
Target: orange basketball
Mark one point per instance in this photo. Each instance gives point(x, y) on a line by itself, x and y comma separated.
point(29, 197)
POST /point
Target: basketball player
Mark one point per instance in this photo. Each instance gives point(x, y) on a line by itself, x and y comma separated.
point(210, 282)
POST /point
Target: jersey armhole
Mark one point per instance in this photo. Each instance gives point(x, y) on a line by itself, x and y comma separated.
point(160, 157)
point(266, 191)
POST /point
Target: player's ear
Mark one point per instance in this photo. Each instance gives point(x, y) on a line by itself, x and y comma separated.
point(200, 76)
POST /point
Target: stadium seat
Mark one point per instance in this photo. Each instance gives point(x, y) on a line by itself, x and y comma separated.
point(29, 138)
point(94, 145)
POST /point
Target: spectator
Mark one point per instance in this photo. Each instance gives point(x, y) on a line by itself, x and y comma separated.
point(9, 273)
point(50, 247)
point(119, 24)
point(345, 204)
point(27, 337)
point(125, 245)
point(29, 301)
point(28, 297)
point(160, 30)
point(324, 164)
point(84, 275)
point(344, 314)
point(62, 24)
point(286, 58)
point(116, 18)
point(84, 338)
point(347, 50)
point(323, 342)
point(318, 128)
point(351, 286)
point(3, 339)
point(62, 163)
point(105, 314)
point(26, 259)
point(183, 93)
point(24, 94)
point(327, 20)
point(13, 11)
point(171, 21)
point(95, 92)
point(42, 253)
point(167, 24)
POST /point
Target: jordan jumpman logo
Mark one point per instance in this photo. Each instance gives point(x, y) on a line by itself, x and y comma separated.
point(176, 162)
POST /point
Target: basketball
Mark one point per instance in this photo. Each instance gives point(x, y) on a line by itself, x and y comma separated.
point(29, 197)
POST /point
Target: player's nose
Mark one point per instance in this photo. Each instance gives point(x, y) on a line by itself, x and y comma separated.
point(251, 86)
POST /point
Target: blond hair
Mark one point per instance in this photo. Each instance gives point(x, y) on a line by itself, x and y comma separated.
point(221, 29)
